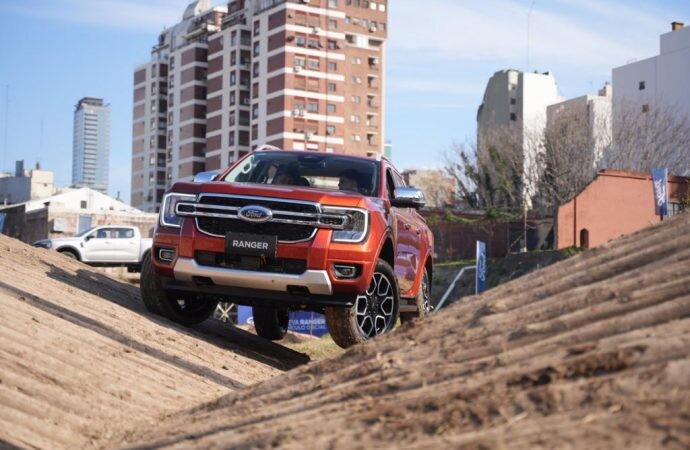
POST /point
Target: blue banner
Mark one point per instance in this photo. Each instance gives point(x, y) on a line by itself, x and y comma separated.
point(2, 221)
point(660, 182)
point(480, 272)
point(300, 321)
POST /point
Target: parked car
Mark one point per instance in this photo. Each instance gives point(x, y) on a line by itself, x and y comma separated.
point(111, 245)
point(283, 230)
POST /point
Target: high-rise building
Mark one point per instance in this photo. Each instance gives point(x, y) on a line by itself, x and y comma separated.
point(515, 103)
point(91, 144)
point(295, 74)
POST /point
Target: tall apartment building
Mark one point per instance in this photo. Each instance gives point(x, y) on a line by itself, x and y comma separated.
point(91, 144)
point(517, 101)
point(302, 74)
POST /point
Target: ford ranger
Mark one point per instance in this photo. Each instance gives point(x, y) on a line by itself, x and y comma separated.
point(282, 230)
point(109, 245)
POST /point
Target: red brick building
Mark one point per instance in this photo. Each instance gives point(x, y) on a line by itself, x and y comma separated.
point(614, 204)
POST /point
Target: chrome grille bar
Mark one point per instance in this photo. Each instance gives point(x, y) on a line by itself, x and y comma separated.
point(320, 220)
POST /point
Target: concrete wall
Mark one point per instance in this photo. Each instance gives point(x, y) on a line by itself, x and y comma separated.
point(614, 204)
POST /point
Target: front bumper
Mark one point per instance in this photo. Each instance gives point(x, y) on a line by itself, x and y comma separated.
point(317, 282)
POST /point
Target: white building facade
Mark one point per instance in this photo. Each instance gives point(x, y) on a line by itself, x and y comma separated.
point(659, 81)
point(517, 101)
point(591, 113)
point(91, 144)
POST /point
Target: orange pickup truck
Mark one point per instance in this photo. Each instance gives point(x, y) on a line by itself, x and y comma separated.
point(285, 230)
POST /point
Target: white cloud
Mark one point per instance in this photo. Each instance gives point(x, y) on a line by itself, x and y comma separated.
point(589, 37)
point(149, 15)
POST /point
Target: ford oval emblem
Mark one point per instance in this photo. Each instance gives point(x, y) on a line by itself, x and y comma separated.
point(256, 214)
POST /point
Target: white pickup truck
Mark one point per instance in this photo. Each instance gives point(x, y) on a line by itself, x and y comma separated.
point(108, 245)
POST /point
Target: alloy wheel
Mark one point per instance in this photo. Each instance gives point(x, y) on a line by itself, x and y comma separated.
point(374, 308)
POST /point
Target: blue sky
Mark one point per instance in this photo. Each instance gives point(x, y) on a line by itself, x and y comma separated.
point(440, 55)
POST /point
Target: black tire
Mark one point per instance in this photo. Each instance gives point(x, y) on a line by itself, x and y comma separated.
point(422, 301)
point(70, 254)
point(271, 323)
point(186, 310)
point(374, 313)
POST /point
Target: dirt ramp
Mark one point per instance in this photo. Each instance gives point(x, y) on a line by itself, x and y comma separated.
point(592, 352)
point(80, 359)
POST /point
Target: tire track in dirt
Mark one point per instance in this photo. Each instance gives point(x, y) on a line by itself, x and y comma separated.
point(80, 359)
point(591, 352)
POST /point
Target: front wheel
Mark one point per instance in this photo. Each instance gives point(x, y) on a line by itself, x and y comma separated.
point(187, 310)
point(374, 312)
point(271, 323)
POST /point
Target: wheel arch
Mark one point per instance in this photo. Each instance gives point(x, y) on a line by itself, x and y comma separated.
point(71, 249)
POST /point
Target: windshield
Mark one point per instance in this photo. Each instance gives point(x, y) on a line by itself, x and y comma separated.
point(308, 170)
point(85, 232)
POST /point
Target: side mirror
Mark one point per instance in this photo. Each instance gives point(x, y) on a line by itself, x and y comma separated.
point(205, 177)
point(88, 238)
point(408, 197)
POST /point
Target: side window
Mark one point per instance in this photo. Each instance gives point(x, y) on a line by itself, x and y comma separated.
point(399, 182)
point(390, 184)
point(103, 233)
point(125, 233)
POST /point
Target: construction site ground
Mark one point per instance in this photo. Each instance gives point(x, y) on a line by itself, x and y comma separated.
point(590, 352)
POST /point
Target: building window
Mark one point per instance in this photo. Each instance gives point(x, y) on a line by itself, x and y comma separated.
point(332, 3)
point(233, 58)
point(330, 130)
point(675, 208)
point(332, 24)
point(231, 138)
point(255, 69)
point(584, 238)
point(255, 111)
point(313, 43)
point(233, 79)
point(356, 79)
point(356, 137)
point(332, 45)
point(257, 27)
point(83, 204)
point(232, 98)
point(300, 41)
point(356, 99)
point(231, 119)
point(357, 60)
point(300, 61)
point(313, 107)
point(354, 118)
point(314, 64)
point(257, 48)
point(233, 38)
point(332, 66)
point(513, 101)
point(645, 108)
point(331, 108)
point(331, 87)
point(513, 116)
point(641, 86)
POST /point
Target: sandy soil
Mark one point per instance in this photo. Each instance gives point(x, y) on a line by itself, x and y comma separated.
point(81, 361)
point(591, 352)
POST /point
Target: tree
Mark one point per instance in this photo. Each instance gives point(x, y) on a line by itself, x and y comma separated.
point(491, 177)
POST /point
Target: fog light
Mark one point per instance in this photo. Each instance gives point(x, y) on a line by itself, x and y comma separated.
point(166, 255)
point(344, 271)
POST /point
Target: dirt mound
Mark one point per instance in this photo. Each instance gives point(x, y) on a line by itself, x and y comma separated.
point(591, 352)
point(81, 359)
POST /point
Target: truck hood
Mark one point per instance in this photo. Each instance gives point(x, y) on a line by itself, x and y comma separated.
point(322, 196)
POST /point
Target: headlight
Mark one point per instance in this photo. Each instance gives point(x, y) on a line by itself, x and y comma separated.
point(168, 218)
point(356, 226)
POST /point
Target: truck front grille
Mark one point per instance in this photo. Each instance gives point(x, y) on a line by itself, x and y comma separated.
point(290, 220)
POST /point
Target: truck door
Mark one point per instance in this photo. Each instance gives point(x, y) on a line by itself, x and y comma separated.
point(407, 245)
point(126, 245)
point(97, 246)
